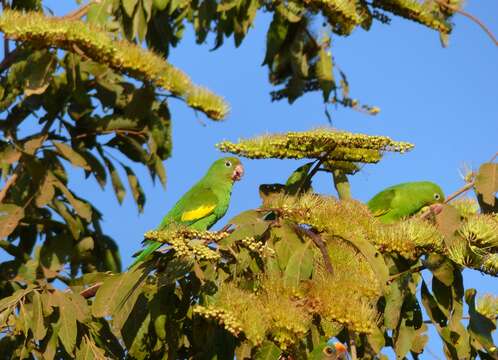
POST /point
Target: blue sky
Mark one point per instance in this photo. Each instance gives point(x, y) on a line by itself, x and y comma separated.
point(442, 100)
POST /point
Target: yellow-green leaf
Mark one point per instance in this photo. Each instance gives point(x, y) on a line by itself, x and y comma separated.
point(71, 155)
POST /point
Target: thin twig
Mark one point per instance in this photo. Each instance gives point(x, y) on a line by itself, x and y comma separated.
point(116, 131)
point(460, 191)
point(80, 12)
point(315, 169)
point(317, 239)
point(409, 271)
point(471, 17)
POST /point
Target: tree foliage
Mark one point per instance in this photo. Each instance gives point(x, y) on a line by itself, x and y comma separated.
point(278, 281)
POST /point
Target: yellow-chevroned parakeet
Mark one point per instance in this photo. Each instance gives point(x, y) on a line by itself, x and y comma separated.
point(329, 350)
point(405, 199)
point(204, 204)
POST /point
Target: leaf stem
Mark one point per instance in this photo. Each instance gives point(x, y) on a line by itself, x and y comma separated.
point(317, 239)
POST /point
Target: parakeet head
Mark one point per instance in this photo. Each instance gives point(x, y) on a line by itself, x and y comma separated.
point(433, 193)
point(229, 168)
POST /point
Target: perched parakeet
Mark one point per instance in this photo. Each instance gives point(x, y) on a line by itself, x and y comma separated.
point(205, 203)
point(405, 199)
point(328, 350)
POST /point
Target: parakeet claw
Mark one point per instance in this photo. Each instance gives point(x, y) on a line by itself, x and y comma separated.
point(238, 172)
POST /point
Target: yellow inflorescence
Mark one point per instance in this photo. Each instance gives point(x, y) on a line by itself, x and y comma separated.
point(408, 238)
point(221, 316)
point(335, 145)
point(467, 207)
point(256, 246)
point(342, 14)
point(121, 56)
point(490, 264)
point(338, 299)
point(182, 246)
point(481, 231)
point(487, 305)
point(426, 13)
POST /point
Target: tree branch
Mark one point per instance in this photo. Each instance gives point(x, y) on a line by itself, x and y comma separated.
point(315, 169)
point(471, 17)
point(317, 239)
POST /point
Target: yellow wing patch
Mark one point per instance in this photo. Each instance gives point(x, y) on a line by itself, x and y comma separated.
point(379, 212)
point(198, 213)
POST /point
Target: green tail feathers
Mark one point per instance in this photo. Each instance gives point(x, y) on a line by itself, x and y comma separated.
point(151, 247)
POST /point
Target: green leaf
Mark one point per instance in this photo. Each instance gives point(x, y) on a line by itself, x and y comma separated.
point(129, 147)
point(441, 268)
point(268, 351)
point(275, 37)
point(46, 191)
point(299, 267)
point(10, 215)
point(74, 223)
point(82, 208)
point(136, 189)
point(37, 323)
point(129, 6)
point(98, 13)
point(323, 69)
point(160, 4)
point(448, 221)
point(480, 327)
point(8, 154)
point(117, 184)
point(71, 155)
point(97, 169)
point(12, 300)
point(140, 23)
point(67, 322)
point(486, 182)
point(114, 292)
point(40, 73)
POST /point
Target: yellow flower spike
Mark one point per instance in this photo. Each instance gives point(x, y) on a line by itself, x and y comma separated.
point(121, 56)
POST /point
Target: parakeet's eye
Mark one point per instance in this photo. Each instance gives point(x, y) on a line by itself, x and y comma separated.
point(228, 164)
point(328, 350)
point(437, 196)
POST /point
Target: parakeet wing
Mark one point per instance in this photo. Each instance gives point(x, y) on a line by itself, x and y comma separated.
point(381, 204)
point(195, 205)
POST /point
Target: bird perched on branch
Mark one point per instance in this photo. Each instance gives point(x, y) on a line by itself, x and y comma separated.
point(204, 204)
point(403, 200)
point(329, 350)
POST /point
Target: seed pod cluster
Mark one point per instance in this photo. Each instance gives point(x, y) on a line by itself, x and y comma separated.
point(121, 56)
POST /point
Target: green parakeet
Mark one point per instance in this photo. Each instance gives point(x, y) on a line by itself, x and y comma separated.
point(329, 350)
point(204, 204)
point(405, 199)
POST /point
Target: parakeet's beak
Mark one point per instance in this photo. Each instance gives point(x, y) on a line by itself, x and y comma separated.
point(436, 208)
point(238, 172)
point(340, 348)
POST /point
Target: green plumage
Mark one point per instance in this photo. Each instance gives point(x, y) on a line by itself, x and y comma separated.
point(204, 204)
point(402, 200)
